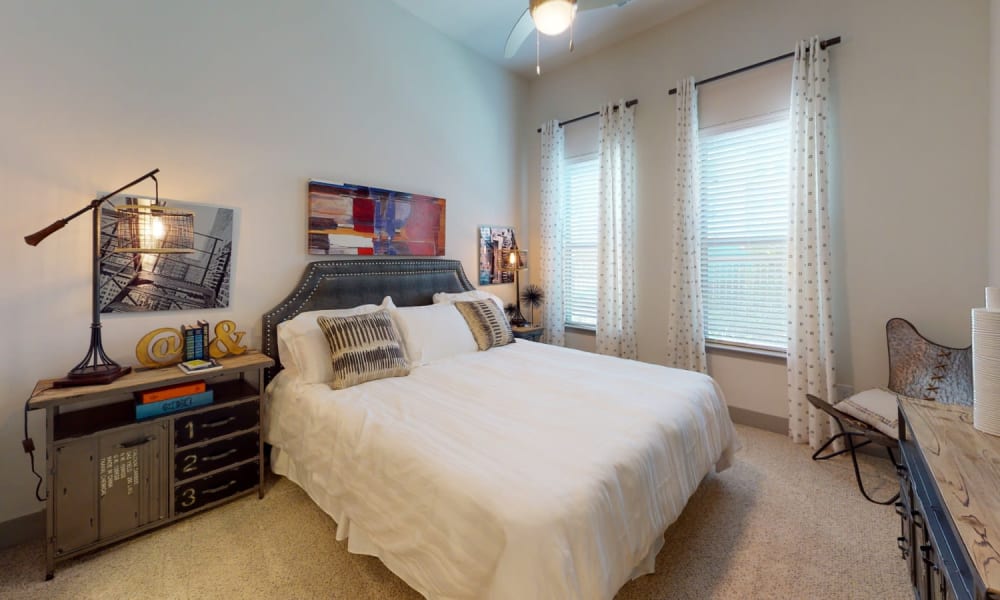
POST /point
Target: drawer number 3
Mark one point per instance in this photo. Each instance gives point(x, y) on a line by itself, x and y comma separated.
point(188, 497)
point(190, 463)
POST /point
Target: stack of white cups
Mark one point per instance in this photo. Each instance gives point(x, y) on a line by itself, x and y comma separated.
point(986, 364)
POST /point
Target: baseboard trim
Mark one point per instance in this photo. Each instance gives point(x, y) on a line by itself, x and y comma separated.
point(775, 424)
point(759, 420)
point(22, 529)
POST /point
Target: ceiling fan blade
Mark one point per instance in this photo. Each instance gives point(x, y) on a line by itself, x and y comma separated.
point(592, 4)
point(522, 29)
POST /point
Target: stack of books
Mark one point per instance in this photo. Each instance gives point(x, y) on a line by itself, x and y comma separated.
point(195, 340)
point(171, 398)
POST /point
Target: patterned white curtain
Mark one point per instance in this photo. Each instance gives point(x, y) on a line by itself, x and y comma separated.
point(810, 316)
point(552, 222)
point(616, 236)
point(685, 329)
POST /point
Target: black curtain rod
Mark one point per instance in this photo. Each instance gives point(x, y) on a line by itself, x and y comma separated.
point(824, 44)
point(628, 104)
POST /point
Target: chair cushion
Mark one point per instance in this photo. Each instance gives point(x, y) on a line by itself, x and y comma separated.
point(876, 407)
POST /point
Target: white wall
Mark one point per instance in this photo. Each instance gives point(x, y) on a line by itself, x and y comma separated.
point(993, 223)
point(910, 92)
point(239, 103)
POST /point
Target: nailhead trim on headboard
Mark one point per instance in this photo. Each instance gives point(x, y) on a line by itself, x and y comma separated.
point(318, 289)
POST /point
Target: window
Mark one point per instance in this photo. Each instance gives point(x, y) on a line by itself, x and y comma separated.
point(580, 243)
point(744, 231)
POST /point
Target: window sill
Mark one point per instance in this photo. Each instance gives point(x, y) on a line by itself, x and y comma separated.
point(580, 330)
point(738, 350)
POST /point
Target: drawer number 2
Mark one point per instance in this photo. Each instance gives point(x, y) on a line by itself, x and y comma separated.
point(188, 497)
point(190, 464)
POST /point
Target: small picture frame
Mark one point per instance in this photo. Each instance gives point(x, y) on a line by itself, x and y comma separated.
point(495, 244)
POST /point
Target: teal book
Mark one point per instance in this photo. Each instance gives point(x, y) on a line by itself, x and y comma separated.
point(152, 410)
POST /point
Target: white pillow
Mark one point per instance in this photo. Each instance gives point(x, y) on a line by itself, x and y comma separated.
point(433, 332)
point(877, 407)
point(303, 348)
point(467, 296)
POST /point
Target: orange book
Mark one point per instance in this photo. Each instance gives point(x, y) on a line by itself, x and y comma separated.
point(171, 391)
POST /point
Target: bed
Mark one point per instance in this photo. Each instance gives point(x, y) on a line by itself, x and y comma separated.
point(524, 471)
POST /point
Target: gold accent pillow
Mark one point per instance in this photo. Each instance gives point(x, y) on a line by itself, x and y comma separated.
point(487, 322)
point(364, 348)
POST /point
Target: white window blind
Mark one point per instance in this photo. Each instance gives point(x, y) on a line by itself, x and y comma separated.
point(744, 231)
point(580, 243)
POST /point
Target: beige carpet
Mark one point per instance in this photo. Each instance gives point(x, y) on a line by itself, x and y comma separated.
point(776, 525)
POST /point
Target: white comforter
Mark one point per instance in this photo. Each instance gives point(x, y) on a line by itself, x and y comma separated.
point(526, 471)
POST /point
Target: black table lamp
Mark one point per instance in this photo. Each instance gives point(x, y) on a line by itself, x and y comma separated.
point(141, 229)
point(515, 264)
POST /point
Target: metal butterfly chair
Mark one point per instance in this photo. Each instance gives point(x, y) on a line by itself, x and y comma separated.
point(918, 368)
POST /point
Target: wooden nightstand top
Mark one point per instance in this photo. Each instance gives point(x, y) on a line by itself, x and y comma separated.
point(527, 328)
point(44, 395)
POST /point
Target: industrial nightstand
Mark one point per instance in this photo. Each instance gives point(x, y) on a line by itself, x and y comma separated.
point(111, 476)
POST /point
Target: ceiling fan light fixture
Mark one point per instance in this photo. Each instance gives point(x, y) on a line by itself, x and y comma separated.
point(552, 17)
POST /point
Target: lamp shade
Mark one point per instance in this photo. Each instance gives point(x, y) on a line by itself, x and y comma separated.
point(513, 260)
point(154, 230)
point(552, 17)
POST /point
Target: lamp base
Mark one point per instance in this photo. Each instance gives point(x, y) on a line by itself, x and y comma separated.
point(97, 375)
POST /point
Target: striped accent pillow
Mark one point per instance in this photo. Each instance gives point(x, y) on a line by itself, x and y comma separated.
point(364, 348)
point(487, 322)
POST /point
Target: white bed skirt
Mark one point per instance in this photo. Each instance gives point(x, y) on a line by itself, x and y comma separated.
point(358, 542)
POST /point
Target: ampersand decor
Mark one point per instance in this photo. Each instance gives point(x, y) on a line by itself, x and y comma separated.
point(160, 348)
point(227, 340)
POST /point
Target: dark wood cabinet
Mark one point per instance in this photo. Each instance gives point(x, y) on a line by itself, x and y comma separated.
point(111, 476)
point(948, 503)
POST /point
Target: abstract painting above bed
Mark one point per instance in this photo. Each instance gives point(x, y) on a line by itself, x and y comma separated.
point(361, 220)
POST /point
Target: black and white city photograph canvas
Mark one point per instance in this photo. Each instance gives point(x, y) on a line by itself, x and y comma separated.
point(198, 278)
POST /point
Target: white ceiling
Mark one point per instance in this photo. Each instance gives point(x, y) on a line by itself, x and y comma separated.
point(483, 25)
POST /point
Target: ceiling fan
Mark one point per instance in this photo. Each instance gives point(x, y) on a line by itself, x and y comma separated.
point(550, 17)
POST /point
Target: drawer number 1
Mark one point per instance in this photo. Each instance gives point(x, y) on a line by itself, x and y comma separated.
point(188, 497)
point(190, 429)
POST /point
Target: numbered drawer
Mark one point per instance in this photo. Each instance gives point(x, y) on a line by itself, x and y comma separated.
point(215, 455)
point(217, 423)
point(199, 492)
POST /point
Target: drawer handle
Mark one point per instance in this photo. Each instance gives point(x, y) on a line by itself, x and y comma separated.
point(138, 442)
point(925, 550)
point(219, 455)
point(219, 423)
point(224, 486)
point(904, 546)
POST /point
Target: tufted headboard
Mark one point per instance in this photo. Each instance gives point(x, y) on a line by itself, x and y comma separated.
point(346, 283)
